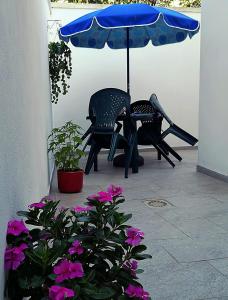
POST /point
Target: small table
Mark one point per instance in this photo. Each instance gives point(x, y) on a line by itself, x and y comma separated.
point(119, 159)
point(134, 117)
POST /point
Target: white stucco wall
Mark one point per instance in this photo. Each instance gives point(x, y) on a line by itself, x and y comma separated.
point(170, 71)
point(213, 146)
point(25, 109)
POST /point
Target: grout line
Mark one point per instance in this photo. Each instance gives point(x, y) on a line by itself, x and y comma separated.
point(171, 255)
point(208, 261)
point(176, 227)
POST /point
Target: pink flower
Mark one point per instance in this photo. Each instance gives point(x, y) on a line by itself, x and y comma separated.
point(79, 209)
point(14, 256)
point(76, 248)
point(68, 270)
point(131, 266)
point(101, 197)
point(104, 196)
point(60, 293)
point(136, 292)
point(115, 190)
point(76, 270)
point(62, 270)
point(37, 205)
point(134, 236)
point(16, 227)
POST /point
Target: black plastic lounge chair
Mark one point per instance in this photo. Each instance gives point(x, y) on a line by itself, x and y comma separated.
point(149, 133)
point(173, 129)
point(104, 108)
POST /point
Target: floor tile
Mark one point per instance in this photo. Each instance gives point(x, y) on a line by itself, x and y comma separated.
point(185, 281)
point(197, 249)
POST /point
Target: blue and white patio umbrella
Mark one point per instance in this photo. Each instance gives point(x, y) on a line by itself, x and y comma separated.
point(129, 26)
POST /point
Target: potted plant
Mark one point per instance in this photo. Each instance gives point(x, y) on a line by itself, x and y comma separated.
point(64, 144)
point(79, 253)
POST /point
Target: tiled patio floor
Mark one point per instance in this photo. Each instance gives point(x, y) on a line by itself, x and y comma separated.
point(188, 238)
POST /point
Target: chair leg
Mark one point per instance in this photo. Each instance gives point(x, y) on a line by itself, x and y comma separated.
point(113, 146)
point(127, 152)
point(92, 158)
point(131, 156)
point(162, 146)
point(95, 163)
point(159, 155)
point(174, 153)
point(128, 158)
point(89, 160)
point(126, 162)
point(164, 155)
point(95, 160)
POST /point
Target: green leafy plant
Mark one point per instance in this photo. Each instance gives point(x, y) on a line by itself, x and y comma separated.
point(151, 2)
point(60, 68)
point(183, 3)
point(190, 3)
point(84, 253)
point(64, 143)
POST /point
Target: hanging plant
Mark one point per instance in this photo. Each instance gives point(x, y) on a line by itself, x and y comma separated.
point(60, 69)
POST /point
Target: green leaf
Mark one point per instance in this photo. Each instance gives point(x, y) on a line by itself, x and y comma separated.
point(52, 276)
point(100, 234)
point(22, 213)
point(37, 281)
point(24, 283)
point(35, 233)
point(125, 218)
point(142, 256)
point(139, 271)
point(32, 222)
point(119, 201)
point(138, 249)
point(100, 293)
point(123, 297)
point(91, 276)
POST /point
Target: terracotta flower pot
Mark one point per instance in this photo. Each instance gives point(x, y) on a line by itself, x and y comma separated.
point(70, 181)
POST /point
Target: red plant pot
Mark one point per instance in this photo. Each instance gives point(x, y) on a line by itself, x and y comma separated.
point(70, 182)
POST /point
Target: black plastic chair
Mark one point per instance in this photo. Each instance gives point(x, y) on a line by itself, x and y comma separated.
point(104, 108)
point(173, 129)
point(150, 131)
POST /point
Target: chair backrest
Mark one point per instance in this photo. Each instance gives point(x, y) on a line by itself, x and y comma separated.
point(106, 105)
point(158, 108)
point(144, 107)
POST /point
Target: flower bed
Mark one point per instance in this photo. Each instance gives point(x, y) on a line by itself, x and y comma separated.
point(86, 252)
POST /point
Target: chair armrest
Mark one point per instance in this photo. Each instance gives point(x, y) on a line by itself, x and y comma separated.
point(143, 117)
point(180, 133)
point(88, 131)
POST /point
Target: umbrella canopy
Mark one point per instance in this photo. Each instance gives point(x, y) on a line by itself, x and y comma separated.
point(129, 26)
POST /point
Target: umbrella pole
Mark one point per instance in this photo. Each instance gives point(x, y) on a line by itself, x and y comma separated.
point(119, 160)
point(128, 63)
